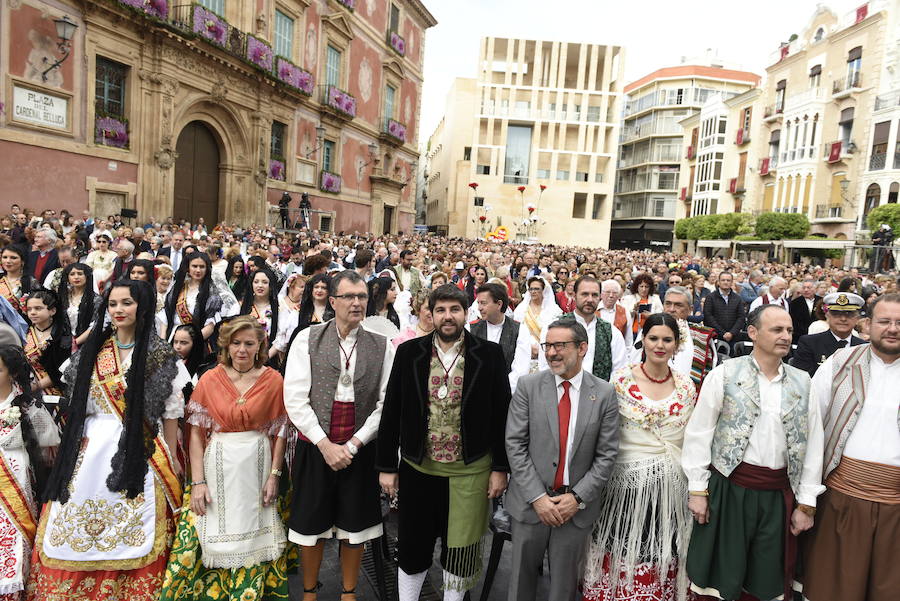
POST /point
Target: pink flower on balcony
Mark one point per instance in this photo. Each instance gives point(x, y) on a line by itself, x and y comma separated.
point(259, 53)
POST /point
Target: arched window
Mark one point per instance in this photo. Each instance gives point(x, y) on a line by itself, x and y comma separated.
point(892, 192)
point(873, 194)
point(820, 33)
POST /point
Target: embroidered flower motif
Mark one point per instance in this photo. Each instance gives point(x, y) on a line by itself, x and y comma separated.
point(10, 416)
point(675, 408)
point(634, 391)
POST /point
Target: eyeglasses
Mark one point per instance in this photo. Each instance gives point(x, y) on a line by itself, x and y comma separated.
point(556, 346)
point(535, 290)
point(886, 323)
point(362, 297)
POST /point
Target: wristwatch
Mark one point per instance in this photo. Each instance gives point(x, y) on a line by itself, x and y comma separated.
point(581, 503)
point(352, 447)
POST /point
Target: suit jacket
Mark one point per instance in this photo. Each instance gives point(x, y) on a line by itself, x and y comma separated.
point(801, 316)
point(164, 251)
point(813, 349)
point(51, 264)
point(724, 317)
point(119, 267)
point(485, 400)
point(509, 335)
point(532, 444)
point(749, 292)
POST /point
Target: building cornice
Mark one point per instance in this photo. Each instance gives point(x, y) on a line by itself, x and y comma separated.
point(423, 13)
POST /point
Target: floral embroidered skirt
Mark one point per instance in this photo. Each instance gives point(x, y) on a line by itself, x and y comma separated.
point(187, 579)
point(58, 584)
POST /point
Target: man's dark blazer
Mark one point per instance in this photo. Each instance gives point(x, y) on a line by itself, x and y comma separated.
point(141, 247)
point(725, 317)
point(119, 267)
point(802, 316)
point(485, 402)
point(509, 335)
point(164, 251)
point(51, 264)
point(813, 349)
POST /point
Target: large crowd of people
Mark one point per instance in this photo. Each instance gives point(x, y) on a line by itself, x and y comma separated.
point(192, 413)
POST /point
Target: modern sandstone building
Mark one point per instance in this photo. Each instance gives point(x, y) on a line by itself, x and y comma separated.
point(529, 145)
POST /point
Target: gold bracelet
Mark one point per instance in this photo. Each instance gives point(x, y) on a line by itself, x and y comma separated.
point(699, 493)
point(276, 472)
point(807, 509)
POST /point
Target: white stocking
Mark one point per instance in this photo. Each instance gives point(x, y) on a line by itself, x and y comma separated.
point(451, 584)
point(410, 585)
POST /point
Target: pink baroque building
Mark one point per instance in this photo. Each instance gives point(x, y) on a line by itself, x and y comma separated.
point(213, 109)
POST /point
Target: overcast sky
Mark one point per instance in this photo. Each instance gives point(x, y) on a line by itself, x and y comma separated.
point(655, 33)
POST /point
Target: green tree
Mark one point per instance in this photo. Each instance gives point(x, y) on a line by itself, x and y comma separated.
point(782, 226)
point(681, 227)
point(889, 214)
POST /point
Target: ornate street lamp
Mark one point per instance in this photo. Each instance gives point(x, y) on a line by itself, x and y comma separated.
point(65, 29)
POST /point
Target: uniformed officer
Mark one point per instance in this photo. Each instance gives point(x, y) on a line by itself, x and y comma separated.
point(842, 314)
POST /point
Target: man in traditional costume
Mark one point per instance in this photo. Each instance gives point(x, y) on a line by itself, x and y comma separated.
point(842, 314)
point(851, 554)
point(445, 411)
point(775, 295)
point(696, 353)
point(753, 458)
point(606, 346)
point(335, 379)
point(492, 303)
point(612, 312)
point(559, 465)
point(408, 277)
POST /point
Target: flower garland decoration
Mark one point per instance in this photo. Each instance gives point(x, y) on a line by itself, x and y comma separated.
point(10, 416)
point(289, 73)
point(259, 53)
point(209, 25)
point(110, 131)
point(276, 169)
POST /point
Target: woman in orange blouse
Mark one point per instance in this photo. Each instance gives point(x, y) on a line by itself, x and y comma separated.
point(238, 429)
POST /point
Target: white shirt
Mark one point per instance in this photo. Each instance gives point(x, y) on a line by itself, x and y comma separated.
point(617, 347)
point(574, 396)
point(767, 446)
point(574, 391)
point(809, 304)
point(609, 316)
point(298, 380)
point(175, 257)
point(781, 301)
point(875, 437)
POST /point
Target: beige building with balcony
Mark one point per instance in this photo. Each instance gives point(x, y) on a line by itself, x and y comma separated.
point(718, 167)
point(529, 145)
point(819, 147)
point(652, 146)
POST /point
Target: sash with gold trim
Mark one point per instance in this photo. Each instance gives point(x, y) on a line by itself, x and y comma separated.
point(533, 322)
point(15, 502)
point(9, 294)
point(110, 377)
point(34, 348)
point(184, 314)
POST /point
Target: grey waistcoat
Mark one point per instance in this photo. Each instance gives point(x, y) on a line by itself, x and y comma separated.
point(325, 364)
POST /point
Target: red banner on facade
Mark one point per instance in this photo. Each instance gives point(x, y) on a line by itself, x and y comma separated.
point(834, 155)
point(862, 12)
point(764, 167)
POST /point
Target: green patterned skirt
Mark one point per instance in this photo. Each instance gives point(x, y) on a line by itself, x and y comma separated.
point(186, 578)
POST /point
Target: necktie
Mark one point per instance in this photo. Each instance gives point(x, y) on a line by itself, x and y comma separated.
point(564, 409)
point(841, 343)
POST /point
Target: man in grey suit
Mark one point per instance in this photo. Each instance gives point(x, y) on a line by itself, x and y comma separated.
point(562, 438)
